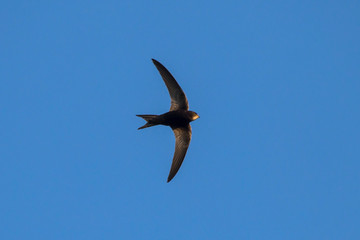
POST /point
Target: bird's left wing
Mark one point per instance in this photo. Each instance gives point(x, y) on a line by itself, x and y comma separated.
point(182, 141)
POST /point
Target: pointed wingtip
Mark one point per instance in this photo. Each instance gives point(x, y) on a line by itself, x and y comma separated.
point(169, 178)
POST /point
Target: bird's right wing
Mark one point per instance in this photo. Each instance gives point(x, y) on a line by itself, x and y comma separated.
point(177, 95)
point(182, 141)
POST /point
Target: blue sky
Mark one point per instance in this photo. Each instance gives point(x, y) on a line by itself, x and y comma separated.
point(275, 154)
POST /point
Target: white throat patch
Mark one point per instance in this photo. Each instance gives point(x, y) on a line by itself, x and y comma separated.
point(195, 117)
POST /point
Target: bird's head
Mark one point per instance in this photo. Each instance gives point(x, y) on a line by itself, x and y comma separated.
point(193, 115)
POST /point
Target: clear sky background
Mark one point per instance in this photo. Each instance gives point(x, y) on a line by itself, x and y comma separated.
point(275, 154)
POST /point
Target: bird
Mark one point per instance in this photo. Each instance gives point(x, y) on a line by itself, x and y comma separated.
point(178, 118)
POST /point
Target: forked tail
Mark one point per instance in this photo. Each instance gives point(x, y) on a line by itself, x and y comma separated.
point(148, 119)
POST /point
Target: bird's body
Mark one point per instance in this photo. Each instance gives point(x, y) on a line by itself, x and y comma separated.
point(173, 119)
point(178, 118)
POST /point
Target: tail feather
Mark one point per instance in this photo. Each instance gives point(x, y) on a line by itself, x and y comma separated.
point(148, 119)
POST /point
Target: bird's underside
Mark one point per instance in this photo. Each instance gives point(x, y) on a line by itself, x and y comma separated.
point(178, 118)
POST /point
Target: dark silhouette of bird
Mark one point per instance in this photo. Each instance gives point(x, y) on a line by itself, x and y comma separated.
point(178, 118)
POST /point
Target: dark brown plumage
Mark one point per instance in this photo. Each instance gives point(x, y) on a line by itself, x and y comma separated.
point(178, 118)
